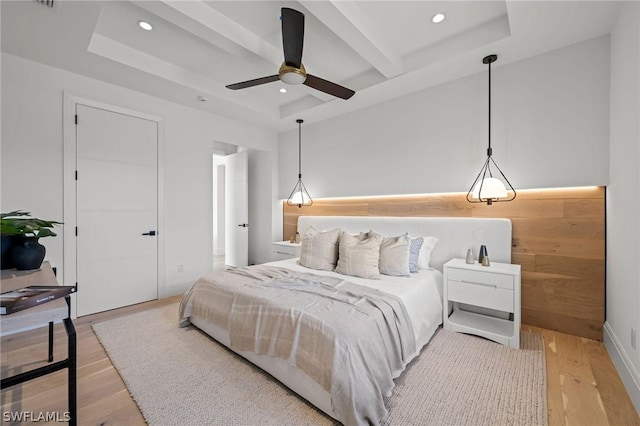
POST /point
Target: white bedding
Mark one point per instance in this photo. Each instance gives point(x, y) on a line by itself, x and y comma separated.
point(421, 294)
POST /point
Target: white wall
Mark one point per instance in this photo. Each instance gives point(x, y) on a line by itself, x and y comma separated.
point(550, 117)
point(623, 200)
point(32, 168)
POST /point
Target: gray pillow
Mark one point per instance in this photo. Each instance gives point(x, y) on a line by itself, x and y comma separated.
point(394, 256)
point(319, 250)
point(359, 258)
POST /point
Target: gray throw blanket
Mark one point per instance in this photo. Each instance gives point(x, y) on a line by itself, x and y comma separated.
point(349, 338)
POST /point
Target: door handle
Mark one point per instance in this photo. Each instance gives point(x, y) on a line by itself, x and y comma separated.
point(150, 233)
point(244, 225)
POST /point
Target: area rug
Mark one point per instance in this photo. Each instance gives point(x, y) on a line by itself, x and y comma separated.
point(181, 376)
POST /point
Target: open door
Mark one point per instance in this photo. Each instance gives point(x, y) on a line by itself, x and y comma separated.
point(236, 245)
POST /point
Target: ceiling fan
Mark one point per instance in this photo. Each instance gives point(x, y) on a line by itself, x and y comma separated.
point(292, 71)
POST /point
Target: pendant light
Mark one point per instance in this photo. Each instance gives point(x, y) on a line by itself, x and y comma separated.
point(487, 188)
point(299, 196)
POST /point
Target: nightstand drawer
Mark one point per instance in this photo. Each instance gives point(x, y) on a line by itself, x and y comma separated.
point(284, 250)
point(484, 295)
point(281, 249)
point(487, 278)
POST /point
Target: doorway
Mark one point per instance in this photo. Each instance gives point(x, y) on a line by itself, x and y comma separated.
point(116, 209)
point(112, 194)
point(230, 208)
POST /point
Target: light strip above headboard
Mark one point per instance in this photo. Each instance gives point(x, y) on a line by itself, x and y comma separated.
point(455, 234)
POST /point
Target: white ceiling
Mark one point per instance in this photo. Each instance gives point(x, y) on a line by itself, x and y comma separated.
point(380, 49)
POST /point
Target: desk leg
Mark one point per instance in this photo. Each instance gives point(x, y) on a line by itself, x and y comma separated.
point(50, 342)
point(71, 333)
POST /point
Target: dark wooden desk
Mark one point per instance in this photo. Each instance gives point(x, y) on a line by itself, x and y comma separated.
point(58, 310)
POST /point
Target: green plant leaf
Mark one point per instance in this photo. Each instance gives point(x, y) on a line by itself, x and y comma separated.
point(15, 223)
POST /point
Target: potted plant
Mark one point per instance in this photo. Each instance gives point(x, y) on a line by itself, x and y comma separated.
point(20, 234)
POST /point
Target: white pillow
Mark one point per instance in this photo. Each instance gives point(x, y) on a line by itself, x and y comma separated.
point(319, 250)
point(424, 257)
point(359, 258)
point(414, 253)
point(394, 256)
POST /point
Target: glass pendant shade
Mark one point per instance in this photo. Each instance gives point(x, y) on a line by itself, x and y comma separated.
point(487, 188)
point(299, 196)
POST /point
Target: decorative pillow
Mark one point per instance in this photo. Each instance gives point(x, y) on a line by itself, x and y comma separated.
point(414, 253)
point(425, 252)
point(364, 235)
point(394, 256)
point(359, 258)
point(319, 250)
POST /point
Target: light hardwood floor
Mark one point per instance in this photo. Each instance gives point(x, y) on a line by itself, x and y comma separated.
point(583, 387)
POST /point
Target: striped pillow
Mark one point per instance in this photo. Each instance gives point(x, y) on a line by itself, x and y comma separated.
point(359, 258)
point(394, 256)
point(319, 250)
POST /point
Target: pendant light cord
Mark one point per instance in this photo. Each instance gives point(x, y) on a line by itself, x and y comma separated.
point(489, 149)
point(300, 149)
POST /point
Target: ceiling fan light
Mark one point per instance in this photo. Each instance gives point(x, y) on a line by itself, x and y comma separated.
point(292, 77)
point(492, 189)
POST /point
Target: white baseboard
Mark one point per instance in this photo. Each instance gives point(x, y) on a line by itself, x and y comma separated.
point(627, 371)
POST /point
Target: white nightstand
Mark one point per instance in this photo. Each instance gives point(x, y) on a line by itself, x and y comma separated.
point(281, 250)
point(495, 287)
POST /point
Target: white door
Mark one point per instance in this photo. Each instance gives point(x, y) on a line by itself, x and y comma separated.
point(236, 243)
point(117, 209)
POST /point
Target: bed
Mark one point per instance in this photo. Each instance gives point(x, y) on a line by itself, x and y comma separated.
point(348, 379)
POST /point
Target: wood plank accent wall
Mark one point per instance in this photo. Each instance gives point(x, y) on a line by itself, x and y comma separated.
point(558, 238)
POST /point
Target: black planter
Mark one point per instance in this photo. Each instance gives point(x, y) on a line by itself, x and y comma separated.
point(27, 253)
point(6, 244)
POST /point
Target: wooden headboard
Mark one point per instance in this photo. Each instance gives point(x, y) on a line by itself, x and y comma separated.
point(558, 239)
point(455, 234)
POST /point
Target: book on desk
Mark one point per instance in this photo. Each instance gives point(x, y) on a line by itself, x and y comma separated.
point(27, 297)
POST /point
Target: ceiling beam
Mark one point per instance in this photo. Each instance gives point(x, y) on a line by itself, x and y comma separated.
point(348, 22)
point(209, 17)
point(142, 61)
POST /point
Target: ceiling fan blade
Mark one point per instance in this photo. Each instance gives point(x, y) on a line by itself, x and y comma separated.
point(328, 87)
point(251, 83)
point(292, 36)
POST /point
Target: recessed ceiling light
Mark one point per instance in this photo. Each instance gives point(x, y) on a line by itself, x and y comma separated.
point(283, 90)
point(437, 18)
point(145, 25)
